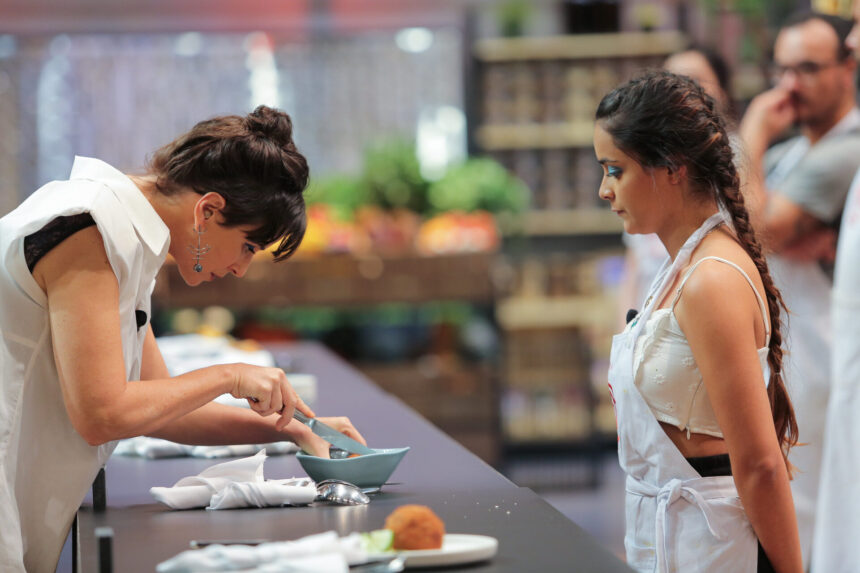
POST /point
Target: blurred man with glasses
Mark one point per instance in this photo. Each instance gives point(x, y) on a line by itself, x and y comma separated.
point(796, 191)
point(837, 528)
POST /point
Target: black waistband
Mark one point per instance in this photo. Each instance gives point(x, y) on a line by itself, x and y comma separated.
point(719, 465)
point(710, 466)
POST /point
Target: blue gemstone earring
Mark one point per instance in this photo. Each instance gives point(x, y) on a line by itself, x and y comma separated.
point(199, 251)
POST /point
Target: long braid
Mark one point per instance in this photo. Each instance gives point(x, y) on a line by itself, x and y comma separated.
point(727, 187)
point(665, 120)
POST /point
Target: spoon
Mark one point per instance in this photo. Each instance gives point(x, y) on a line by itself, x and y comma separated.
point(337, 453)
point(341, 492)
point(365, 490)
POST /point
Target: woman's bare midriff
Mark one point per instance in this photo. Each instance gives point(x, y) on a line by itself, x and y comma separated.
point(698, 445)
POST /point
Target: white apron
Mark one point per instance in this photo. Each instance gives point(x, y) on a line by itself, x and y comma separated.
point(676, 520)
point(837, 528)
point(46, 467)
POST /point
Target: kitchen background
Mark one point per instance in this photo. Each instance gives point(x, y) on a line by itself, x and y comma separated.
point(457, 252)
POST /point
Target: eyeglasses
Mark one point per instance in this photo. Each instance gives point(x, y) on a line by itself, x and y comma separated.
point(804, 71)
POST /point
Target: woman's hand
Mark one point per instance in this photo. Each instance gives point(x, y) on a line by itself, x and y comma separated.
point(267, 391)
point(304, 437)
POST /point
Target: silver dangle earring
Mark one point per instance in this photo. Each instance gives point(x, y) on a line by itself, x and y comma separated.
point(199, 251)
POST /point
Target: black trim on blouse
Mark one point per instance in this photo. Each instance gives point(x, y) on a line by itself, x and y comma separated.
point(42, 241)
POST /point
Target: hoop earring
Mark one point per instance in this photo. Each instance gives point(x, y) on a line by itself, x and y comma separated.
point(198, 252)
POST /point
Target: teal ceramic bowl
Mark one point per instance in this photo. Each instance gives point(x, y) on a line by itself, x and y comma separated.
point(368, 470)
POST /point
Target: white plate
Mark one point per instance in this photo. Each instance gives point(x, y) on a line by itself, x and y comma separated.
point(457, 549)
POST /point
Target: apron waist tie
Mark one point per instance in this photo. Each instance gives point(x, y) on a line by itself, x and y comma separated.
point(671, 492)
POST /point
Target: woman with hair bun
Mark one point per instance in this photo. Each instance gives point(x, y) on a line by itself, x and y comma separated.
point(79, 365)
point(704, 419)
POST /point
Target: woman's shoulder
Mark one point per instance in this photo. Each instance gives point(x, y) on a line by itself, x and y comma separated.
point(82, 251)
point(723, 252)
point(721, 274)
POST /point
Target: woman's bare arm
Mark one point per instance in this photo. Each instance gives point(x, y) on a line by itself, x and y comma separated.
point(83, 303)
point(718, 313)
point(218, 424)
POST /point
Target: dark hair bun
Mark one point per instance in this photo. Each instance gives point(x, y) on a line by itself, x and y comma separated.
point(252, 162)
point(271, 124)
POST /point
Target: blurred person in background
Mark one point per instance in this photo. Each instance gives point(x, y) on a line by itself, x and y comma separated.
point(79, 364)
point(710, 71)
point(645, 253)
point(704, 419)
point(837, 525)
point(796, 190)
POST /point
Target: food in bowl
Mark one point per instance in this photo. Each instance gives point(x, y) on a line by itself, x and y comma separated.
point(367, 470)
point(415, 527)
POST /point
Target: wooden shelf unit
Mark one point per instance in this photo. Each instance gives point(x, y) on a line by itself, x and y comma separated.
point(534, 104)
point(534, 100)
point(579, 46)
point(521, 313)
point(338, 280)
point(556, 135)
point(563, 222)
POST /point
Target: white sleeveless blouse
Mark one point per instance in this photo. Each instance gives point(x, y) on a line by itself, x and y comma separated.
point(46, 467)
point(666, 372)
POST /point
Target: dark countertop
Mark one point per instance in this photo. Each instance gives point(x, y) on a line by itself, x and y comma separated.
point(469, 495)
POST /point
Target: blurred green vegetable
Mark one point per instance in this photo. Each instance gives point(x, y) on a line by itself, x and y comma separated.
point(392, 176)
point(343, 193)
point(392, 179)
point(306, 320)
point(512, 16)
point(479, 184)
point(377, 541)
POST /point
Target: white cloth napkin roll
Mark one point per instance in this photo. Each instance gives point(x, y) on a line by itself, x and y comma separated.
point(272, 449)
point(155, 448)
point(296, 491)
point(152, 448)
point(237, 483)
point(319, 553)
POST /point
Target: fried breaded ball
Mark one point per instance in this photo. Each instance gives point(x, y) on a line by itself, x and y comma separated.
point(415, 527)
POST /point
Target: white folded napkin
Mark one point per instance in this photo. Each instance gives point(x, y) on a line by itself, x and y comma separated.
point(155, 448)
point(296, 491)
point(237, 483)
point(152, 448)
point(319, 553)
point(272, 449)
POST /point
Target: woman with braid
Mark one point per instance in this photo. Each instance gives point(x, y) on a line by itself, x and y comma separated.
point(704, 420)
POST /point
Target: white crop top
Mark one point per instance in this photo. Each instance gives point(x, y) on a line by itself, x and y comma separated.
point(666, 373)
